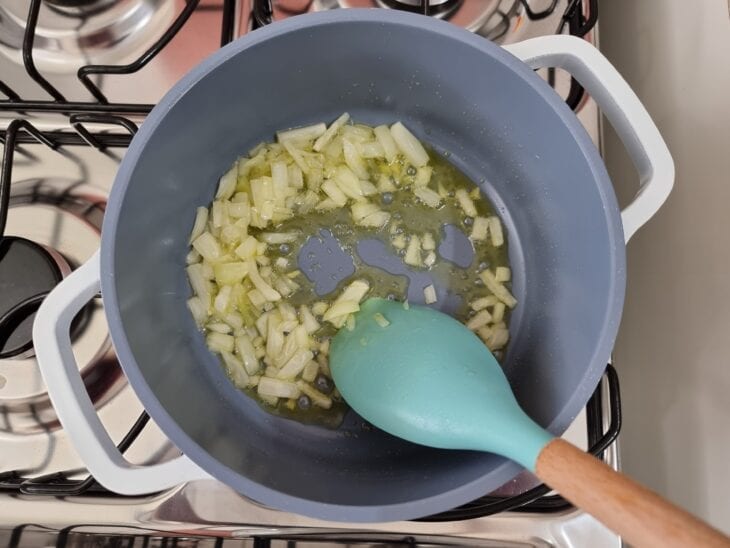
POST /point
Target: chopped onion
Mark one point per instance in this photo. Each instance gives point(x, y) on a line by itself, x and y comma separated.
point(498, 339)
point(385, 184)
point(310, 371)
point(429, 294)
point(287, 326)
point(324, 347)
point(324, 139)
point(495, 230)
point(235, 369)
point(498, 312)
point(282, 287)
point(466, 203)
point(296, 179)
point(502, 274)
point(479, 229)
point(347, 303)
point(281, 263)
point(428, 196)
point(371, 149)
point(230, 273)
point(234, 320)
point(219, 214)
point(481, 319)
point(257, 298)
point(399, 241)
point(301, 135)
point(223, 299)
point(356, 291)
point(280, 179)
point(219, 327)
point(201, 219)
point(218, 342)
point(334, 192)
point(413, 252)
point(319, 308)
point(408, 145)
point(316, 396)
point(302, 337)
point(348, 182)
point(279, 237)
point(207, 270)
point(198, 310)
point(262, 323)
point(192, 257)
point(326, 205)
point(483, 302)
point(247, 249)
point(227, 184)
point(296, 364)
point(358, 132)
point(271, 400)
point(423, 176)
point(430, 259)
point(353, 159)
point(386, 141)
point(269, 293)
point(296, 156)
point(484, 333)
point(499, 290)
point(367, 188)
point(309, 322)
point(277, 388)
point(339, 309)
point(199, 283)
point(207, 245)
point(247, 354)
point(376, 220)
point(288, 312)
point(274, 338)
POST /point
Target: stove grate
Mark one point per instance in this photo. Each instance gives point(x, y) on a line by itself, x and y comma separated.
point(83, 115)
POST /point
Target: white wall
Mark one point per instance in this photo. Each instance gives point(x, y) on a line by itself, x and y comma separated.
point(673, 352)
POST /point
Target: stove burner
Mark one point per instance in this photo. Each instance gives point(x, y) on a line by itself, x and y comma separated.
point(63, 217)
point(94, 5)
point(435, 8)
point(70, 33)
point(28, 271)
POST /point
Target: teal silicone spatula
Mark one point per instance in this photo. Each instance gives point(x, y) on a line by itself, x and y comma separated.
point(426, 378)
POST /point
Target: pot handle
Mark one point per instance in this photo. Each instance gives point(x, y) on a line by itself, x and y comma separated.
point(623, 109)
point(73, 405)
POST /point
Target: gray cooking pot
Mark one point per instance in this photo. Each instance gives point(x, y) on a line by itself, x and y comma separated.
point(504, 127)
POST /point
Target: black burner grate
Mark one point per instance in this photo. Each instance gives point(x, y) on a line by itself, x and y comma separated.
point(83, 115)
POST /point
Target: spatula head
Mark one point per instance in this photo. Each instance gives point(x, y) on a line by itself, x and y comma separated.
point(428, 379)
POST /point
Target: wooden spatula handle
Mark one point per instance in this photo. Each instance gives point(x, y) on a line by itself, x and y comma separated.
point(640, 516)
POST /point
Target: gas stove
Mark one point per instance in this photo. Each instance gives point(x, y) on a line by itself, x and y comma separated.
point(77, 77)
